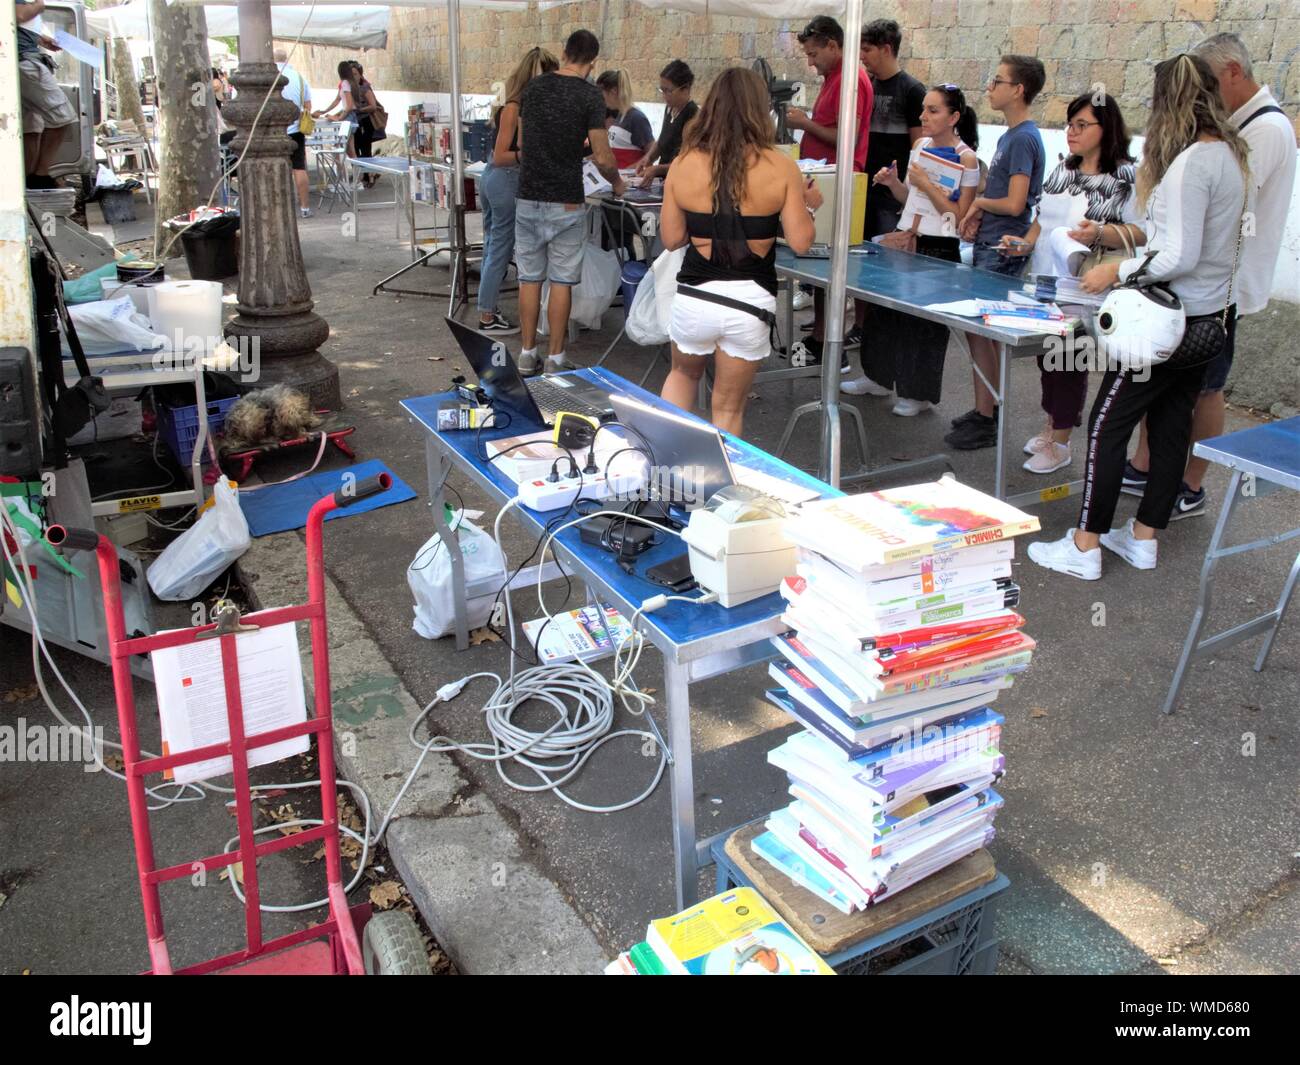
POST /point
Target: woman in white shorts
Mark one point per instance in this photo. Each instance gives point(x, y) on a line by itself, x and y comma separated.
point(726, 197)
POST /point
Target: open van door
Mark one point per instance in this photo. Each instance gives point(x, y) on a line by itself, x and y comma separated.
point(77, 153)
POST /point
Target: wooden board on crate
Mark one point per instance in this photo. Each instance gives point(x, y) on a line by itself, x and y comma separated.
point(825, 928)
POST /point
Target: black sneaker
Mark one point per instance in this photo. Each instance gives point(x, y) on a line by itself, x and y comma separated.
point(972, 435)
point(853, 338)
point(499, 326)
point(1188, 504)
point(1135, 481)
point(806, 352)
point(971, 415)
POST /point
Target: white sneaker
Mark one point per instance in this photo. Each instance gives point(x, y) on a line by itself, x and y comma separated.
point(306, 212)
point(801, 300)
point(1052, 458)
point(864, 386)
point(557, 364)
point(1140, 554)
point(1064, 557)
point(1038, 443)
point(910, 408)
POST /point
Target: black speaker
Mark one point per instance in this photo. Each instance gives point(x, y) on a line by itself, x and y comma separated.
point(20, 425)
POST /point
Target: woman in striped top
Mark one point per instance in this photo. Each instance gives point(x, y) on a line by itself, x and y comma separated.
point(1090, 195)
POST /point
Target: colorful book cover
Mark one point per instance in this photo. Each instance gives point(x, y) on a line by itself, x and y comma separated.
point(903, 523)
point(735, 933)
point(936, 564)
point(782, 858)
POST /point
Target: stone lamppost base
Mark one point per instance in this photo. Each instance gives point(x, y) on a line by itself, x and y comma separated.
point(275, 323)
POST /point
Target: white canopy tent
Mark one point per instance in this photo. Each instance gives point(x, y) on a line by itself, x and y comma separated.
point(851, 16)
point(352, 24)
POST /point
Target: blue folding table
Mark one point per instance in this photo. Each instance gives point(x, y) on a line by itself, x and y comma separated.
point(697, 642)
point(1262, 459)
point(910, 283)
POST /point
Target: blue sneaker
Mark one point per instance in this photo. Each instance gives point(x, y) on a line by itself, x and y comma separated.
point(1134, 482)
point(1188, 504)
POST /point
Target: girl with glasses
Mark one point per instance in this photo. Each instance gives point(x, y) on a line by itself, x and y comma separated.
point(675, 83)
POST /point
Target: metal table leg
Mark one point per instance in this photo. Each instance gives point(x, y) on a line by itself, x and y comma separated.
point(677, 702)
point(1279, 613)
point(1205, 592)
point(1003, 397)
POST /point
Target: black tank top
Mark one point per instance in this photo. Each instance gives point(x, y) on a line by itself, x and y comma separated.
point(731, 258)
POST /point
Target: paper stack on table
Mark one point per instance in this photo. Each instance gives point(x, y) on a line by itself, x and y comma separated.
point(903, 634)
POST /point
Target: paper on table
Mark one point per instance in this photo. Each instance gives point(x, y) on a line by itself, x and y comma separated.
point(192, 697)
point(772, 486)
point(79, 49)
point(593, 183)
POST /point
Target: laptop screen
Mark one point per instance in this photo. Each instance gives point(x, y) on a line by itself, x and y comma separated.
point(689, 460)
point(496, 371)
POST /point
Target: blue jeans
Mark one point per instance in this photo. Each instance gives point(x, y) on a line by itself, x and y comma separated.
point(549, 238)
point(497, 188)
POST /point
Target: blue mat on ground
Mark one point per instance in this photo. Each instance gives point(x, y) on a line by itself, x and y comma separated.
point(284, 506)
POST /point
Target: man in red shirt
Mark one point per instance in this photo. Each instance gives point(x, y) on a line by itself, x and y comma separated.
point(822, 41)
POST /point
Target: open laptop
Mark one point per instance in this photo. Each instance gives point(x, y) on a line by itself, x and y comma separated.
point(688, 457)
point(538, 400)
point(691, 457)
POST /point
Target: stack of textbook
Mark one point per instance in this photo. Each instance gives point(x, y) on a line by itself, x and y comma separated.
point(732, 934)
point(904, 632)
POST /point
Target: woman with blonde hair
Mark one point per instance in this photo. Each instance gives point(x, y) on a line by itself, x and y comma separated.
point(498, 188)
point(1192, 184)
point(620, 111)
point(726, 197)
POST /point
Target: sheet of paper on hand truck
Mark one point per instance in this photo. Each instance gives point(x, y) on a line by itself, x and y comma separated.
point(192, 698)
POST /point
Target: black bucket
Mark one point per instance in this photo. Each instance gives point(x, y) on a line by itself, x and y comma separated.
point(211, 256)
point(118, 205)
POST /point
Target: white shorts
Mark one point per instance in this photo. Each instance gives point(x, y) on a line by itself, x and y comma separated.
point(698, 327)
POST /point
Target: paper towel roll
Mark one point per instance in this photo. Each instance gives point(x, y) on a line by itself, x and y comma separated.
point(187, 313)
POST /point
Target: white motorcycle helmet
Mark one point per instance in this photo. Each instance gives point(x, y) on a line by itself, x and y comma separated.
point(1139, 327)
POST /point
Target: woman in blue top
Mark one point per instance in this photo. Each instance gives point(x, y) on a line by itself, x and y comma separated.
point(620, 110)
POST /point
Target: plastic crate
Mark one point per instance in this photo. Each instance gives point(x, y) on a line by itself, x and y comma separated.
point(955, 939)
point(179, 426)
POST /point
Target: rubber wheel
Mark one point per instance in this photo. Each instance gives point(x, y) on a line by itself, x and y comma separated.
point(392, 946)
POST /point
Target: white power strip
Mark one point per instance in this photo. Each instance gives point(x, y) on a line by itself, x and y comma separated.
point(541, 494)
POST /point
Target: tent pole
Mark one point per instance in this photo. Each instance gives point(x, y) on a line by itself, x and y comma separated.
point(460, 268)
point(834, 336)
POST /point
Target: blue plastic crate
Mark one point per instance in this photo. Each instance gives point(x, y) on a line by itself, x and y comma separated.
point(955, 939)
point(179, 426)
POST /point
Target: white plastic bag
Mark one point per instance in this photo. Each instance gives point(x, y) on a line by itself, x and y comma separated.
point(429, 576)
point(593, 294)
point(106, 327)
point(192, 561)
point(652, 306)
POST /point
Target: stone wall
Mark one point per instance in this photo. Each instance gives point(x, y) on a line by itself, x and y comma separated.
point(1082, 43)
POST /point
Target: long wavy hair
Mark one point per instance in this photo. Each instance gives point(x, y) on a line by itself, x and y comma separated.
point(733, 128)
point(536, 61)
point(1185, 104)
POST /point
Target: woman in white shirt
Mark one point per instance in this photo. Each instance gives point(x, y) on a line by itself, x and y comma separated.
point(346, 101)
point(1090, 195)
point(906, 354)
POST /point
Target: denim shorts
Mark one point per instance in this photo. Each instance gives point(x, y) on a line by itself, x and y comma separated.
point(549, 239)
point(1216, 371)
point(987, 257)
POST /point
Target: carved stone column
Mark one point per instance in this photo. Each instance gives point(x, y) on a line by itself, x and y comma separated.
point(275, 305)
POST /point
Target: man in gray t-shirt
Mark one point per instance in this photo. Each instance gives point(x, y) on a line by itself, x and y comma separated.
point(558, 114)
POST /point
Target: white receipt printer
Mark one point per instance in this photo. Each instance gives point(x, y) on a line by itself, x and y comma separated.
point(737, 546)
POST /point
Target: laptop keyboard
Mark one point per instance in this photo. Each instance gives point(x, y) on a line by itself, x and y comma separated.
point(552, 398)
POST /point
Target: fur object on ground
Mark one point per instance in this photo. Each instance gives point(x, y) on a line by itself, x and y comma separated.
point(269, 415)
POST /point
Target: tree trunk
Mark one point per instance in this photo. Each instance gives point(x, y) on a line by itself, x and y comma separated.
point(189, 166)
point(128, 89)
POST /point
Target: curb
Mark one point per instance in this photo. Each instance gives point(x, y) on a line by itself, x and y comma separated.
point(465, 866)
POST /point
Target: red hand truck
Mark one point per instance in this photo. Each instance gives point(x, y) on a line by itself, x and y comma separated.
point(351, 941)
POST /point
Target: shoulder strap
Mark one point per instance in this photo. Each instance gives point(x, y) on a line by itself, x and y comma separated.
point(1267, 109)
